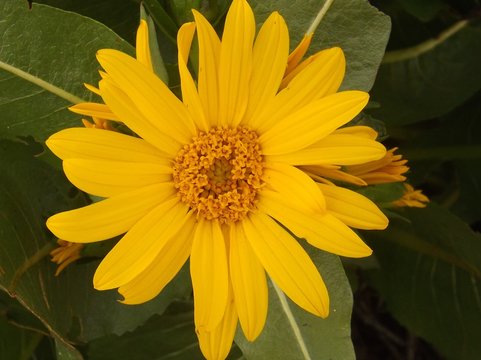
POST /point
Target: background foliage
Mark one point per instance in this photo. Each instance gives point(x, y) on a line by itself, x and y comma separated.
point(417, 297)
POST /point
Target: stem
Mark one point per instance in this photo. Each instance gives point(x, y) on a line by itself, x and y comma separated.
point(320, 15)
point(415, 51)
point(444, 152)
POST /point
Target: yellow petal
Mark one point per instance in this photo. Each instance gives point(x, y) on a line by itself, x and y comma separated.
point(208, 269)
point(312, 123)
point(108, 218)
point(298, 53)
point(216, 344)
point(321, 172)
point(235, 63)
point(142, 47)
point(109, 178)
point(269, 63)
point(287, 263)
point(153, 99)
point(358, 130)
point(140, 246)
point(209, 54)
point(353, 209)
point(323, 231)
point(289, 180)
point(248, 283)
point(90, 143)
point(93, 109)
point(190, 96)
point(339, 149)
point(150, 282)
point(128, 112)
point(92, 88)
point(322, 77)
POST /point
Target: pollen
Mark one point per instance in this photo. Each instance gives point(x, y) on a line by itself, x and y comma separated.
point(219, 174)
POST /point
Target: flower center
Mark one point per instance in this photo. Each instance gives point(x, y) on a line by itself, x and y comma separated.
point(220, 173)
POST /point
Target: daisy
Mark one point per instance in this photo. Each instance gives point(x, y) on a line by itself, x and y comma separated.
point(216, 177)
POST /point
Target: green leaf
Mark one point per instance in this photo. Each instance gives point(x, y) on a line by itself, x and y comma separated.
point(358, 28)
point(424, 10)
point(43, 65)
point(16, 343)
point(170, 336)
point(67, 305)
point(292, 333)
point(120, 16)
point(430, 277)
point(430, 79)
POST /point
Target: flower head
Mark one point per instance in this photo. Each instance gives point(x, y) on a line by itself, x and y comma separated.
point(411, 198)
point(212, 176)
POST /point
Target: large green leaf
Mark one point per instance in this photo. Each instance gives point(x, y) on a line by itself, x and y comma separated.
point(67, 305)
point(358, 28)
point(431, 79)
point(430, 277)
point(120, 16)
point(292, 333)
point(46, 55)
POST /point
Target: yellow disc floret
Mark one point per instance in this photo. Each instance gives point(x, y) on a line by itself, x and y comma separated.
point(220, 173)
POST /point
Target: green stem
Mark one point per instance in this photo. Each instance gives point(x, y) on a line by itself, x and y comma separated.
point(415, 51)
point(320, 15)
point(444, 152)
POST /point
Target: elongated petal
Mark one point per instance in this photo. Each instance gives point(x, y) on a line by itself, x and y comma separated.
point(353, 209)
point(235, 63)
point(298, 53)
point(216, 344)
point(209, 272)
point(142, 47)
point(295, 184)
point(160, 108)
point(322, 77)
point(209, 54)
point(150, 282)
point(93, 109)
point(128, 112)
point(248, 283)
point(90, 143)
point(323, 231)
point(109, 178)
point(312, 123)
point(339, 149)
point(287, 263)
point(269, 58)
point(190, 96)
point(140, 246)
point(358, 130)
point(108, 218)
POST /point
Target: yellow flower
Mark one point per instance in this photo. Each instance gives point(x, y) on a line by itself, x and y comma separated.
point(411, 198)
point(386, 170)
point(212, 177)
point(65, 254)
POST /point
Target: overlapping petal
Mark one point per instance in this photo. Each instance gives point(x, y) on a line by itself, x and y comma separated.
point(150, 282)
point(108, 218)
point(141, 245)
point(94, 109)
point(106, 178)
point(248, 283)
point(323, 231)
point(339, 149)
point(142, 46)
point(353, 209)
point(209, 272)
point(287, 263)
point(269, 57)
point(312, 123)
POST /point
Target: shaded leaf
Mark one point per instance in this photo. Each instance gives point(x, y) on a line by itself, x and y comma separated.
point(292, 333)
point(67, 305)
point(16, 343)
point(43, 65)
point(432, 80)
point(430, 277)
point(358, 28)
